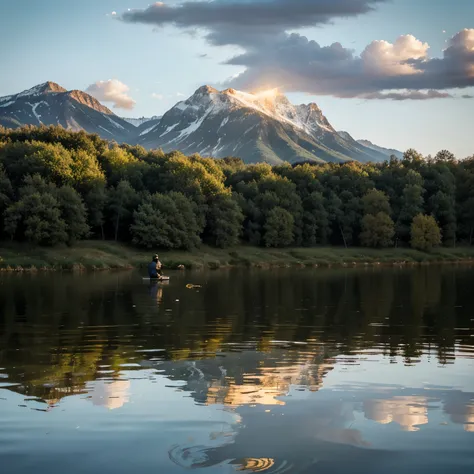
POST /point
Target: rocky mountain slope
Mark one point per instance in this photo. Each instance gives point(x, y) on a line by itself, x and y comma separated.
point(386, 151)
point(51, 104)
point(255, 127)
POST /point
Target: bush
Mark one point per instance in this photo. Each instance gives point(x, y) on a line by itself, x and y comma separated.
point(425, 233)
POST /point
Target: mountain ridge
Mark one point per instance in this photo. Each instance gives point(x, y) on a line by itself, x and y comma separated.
point(51, 104)
point(257, 127)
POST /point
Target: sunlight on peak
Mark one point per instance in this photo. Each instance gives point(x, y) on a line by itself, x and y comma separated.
point(268, 94)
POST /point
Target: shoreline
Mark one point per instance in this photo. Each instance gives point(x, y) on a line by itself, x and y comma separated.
point(104, 255)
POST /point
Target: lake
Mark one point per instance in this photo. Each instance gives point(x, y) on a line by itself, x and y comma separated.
point(275, 371)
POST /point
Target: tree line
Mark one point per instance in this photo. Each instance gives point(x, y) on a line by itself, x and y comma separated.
point(58, 186)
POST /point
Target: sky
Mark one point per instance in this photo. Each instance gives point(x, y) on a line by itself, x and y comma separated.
point(397, 72)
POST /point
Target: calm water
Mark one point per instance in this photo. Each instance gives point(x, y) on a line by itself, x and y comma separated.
point(337, 371)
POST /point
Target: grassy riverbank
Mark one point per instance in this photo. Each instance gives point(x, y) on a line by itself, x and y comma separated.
point(98, 255)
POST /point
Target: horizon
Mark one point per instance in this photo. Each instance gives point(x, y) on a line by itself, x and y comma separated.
point(401, 78)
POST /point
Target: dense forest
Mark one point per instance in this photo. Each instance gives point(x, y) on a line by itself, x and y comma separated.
point(58, 186)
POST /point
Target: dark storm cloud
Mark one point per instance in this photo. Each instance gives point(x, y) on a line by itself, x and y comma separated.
point(275, 14)
point(274, 58)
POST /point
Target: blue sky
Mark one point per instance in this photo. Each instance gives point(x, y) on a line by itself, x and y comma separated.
point(78, 43)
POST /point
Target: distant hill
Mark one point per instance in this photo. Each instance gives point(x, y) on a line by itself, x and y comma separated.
point(137, 122)
point(386, 151)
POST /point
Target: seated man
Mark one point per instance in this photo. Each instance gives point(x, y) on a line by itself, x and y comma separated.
point(154, 268)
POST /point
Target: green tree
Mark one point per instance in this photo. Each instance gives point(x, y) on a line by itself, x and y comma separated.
point(442, 206)
point(278, 228)
point(166, 221)
point(377, 231)
point(73, 212)
point(95, 199)
point(412, 205)
point(425, 233)
point(315, 220)
point(36, 216)
point(376, 201)
point(6, 195)
point(122, 201)
point(224, 221)
point(412, 159)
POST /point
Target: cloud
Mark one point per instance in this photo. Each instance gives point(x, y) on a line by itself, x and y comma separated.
point(409, 95)
point(112, 91)
point(157, 96)
point(295, 64)
point(236, 21)
point(273, 57)
point(386, 58)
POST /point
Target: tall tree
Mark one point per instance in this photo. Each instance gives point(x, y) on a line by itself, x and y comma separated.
point(442, 207)
point(279, 228)
point(73, 212)
point(36, 216)
point(377, 231)
point(315, 220)
point(224, 221)
point(122, 201)
point(412, 205)
point(166, 221)
point(376, 201)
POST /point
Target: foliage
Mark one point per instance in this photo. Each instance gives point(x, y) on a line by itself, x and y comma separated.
point(425, 233)
point(73, 212)
point(224, 221)
point(36, 216)
point(376, 201)
point(122, 201)
point(279, 228)
point(58, 186)
point(166, 221)
point(377, 231)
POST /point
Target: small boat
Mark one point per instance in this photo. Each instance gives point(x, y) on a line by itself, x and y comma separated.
point(161, 278)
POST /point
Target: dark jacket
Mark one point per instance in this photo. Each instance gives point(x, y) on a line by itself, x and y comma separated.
point(152, 272)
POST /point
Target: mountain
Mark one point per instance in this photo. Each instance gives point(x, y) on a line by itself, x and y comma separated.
point(254, 127)
point(51, 104)
point(386, 151)
point(137, 122)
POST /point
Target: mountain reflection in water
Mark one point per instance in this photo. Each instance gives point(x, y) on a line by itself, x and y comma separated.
point(283, 371)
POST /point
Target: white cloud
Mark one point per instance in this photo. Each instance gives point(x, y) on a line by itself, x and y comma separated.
point(295, 64)
point(157, 96)
point(179, 94)
point(112, 91)
point(393, 59)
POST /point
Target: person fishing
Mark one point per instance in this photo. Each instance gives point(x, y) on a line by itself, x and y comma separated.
point(154, 268)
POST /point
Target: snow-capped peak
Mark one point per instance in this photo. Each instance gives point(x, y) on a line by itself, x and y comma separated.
point(34, 92)
point(272, 103)
point(40, 89)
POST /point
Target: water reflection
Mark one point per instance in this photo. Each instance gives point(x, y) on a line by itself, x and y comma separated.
point(255, 371)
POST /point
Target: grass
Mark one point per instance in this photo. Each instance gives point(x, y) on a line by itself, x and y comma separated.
point(99, 255)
